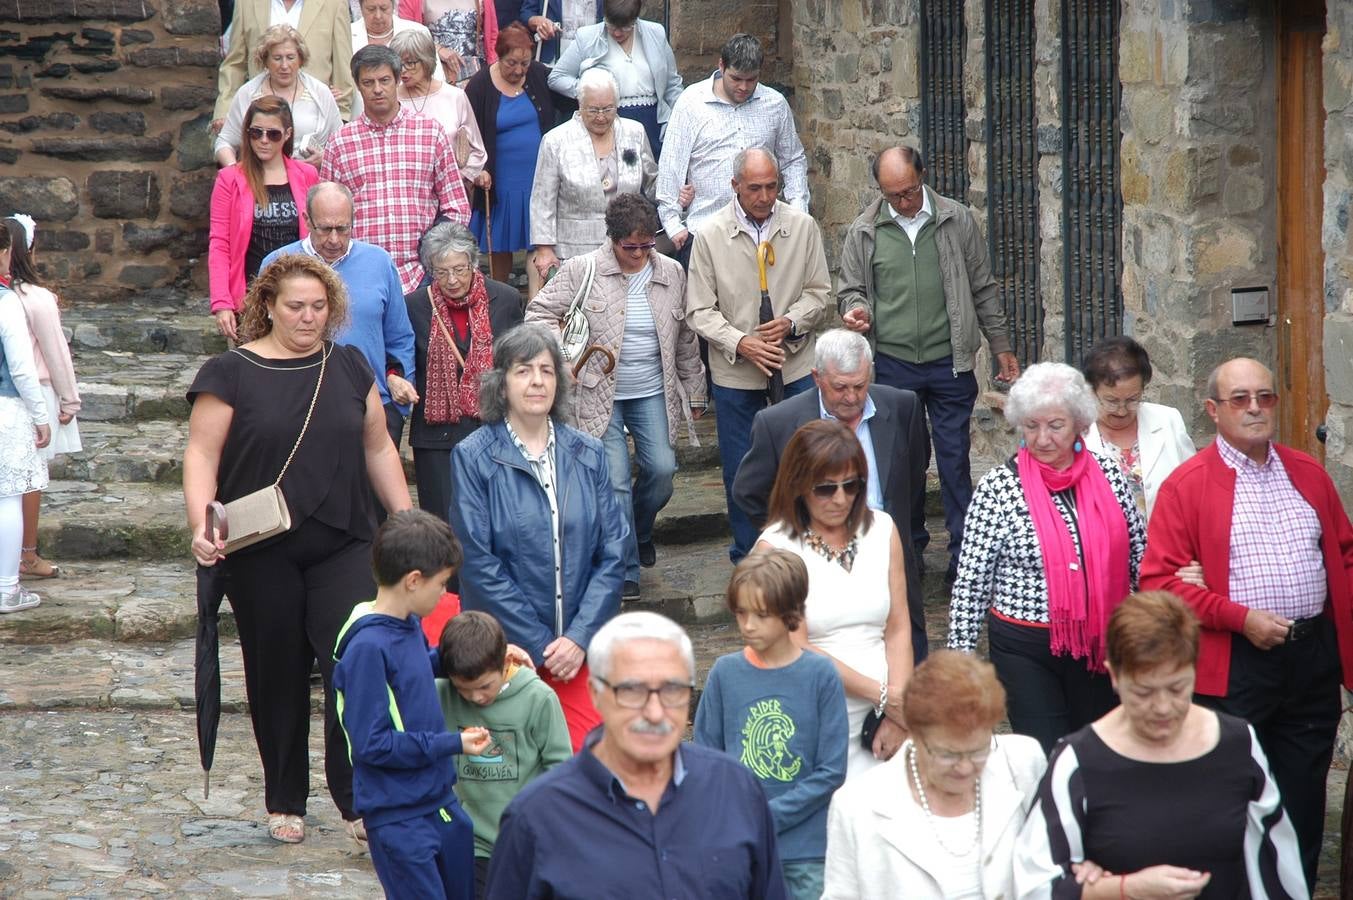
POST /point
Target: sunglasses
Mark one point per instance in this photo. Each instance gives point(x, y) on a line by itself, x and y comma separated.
point(828, 489)
point(1240, 402)
point(273, 134)
point(634, 248)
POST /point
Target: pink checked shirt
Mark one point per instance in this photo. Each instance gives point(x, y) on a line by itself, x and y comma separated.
point(1276, 560)
point(402, 176)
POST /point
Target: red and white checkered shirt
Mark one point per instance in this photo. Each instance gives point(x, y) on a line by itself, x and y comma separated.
point(1276, 560)
point(402, 176)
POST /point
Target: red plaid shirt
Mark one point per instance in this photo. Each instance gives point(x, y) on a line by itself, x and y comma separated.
point(402, 176)
point(1277, 563)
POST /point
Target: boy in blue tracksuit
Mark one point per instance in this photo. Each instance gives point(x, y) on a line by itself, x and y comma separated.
point(422, 842)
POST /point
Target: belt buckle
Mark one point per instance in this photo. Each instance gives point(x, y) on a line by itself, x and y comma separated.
point(1300, 629)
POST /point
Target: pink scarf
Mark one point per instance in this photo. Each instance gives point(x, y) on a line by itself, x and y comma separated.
point(1079, 602)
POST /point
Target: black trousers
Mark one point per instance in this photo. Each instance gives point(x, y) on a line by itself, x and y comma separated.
point(290, 600)
point(1047, 696)
point(1290, 694)
point(432, 475)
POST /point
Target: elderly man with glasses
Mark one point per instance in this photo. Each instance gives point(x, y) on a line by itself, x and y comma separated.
point(916, 279)
point(1276, 606)
point(638, 813)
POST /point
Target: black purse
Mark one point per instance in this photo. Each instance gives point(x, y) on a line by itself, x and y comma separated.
point(872, 721)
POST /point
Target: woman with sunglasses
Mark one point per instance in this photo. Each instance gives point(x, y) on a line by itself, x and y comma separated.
point(857, 585)
point(583, 164)
point(636, 311)
point(941, 818)
point(1147, 440)
point(256, 207)
point(1051, 544)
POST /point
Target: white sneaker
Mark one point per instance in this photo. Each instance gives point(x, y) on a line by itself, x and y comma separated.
point(18, 600)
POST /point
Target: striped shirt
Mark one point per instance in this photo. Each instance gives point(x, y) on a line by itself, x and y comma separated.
point(1276, 559)
point(402, 175)
point(703, 135)
point(638, 373)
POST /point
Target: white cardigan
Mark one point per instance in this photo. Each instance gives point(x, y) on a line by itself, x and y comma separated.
point(1162, 441)
point(880, 846)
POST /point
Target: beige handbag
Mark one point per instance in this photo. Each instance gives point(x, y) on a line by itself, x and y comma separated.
point(263, 513)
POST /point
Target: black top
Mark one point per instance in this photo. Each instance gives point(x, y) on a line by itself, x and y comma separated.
point(327, 480)
point(484, 99)
point(1189, 814)
point(275, 225)
point(505, 311)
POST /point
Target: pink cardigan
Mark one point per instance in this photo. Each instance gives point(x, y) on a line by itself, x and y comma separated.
point(232, 221)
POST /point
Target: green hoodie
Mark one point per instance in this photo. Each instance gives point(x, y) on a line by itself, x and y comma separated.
point(529, 736)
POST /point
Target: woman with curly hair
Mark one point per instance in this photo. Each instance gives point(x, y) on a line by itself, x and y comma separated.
point(291, 593)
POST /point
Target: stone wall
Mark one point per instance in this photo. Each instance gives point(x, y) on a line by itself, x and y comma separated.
point(104, 107)
point(1198, 156)
point(1338, 84)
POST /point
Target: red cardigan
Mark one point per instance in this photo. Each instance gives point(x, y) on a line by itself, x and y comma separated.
point(1192, 520)
point(232, 221)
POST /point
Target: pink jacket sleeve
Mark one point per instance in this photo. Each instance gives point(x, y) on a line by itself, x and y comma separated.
point(221, 238)
point(490, 31)
point(412, 10)
point(52, 353)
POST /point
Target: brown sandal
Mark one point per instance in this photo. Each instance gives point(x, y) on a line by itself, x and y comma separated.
point(37, 567)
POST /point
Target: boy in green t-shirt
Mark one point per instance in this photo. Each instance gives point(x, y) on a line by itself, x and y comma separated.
point(525, 721)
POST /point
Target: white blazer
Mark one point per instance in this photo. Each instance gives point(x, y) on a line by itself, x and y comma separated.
point(880, 846)
point(1161, 440)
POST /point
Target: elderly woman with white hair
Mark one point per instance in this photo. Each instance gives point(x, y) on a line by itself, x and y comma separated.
point(584, 164)
point(455, 320)
point(427, 95)
point(1051, 545)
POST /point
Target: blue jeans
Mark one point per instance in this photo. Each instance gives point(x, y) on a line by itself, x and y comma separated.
point(642, 500)
point(948, 398)
point(734, 409)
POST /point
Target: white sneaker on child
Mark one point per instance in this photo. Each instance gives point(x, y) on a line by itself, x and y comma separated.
point(18, 600)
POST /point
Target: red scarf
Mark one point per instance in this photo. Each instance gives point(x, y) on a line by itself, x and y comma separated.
point(1079, 601)
point(449, 392)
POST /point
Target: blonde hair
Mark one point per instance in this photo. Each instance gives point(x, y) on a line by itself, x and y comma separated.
point(280, 34)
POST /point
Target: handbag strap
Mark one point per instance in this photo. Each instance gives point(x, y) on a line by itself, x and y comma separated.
point(437, 317)
point(323, 359)
point(584, 289)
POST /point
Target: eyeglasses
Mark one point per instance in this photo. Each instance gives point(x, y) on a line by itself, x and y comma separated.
point(1240, 402)
point(620, 29)
point(457, 271)
point(326, 230)
point(406, 64)
point(634, 695)
point(273, 134)
point(636, 248)
point(954, 757)
point(827, 489)
point(908, 194)
point(599, 112)
point(1127, 403)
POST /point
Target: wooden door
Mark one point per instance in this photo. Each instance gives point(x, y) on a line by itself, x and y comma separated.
point(1301, 260)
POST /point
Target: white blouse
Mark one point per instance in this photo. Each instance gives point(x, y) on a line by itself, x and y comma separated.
point(314, 115)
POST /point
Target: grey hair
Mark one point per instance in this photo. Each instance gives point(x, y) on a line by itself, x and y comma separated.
point(742, 53)
point(518, 345)
point(843, 350)
point(322, 187)
point(417, 44)
point(740, 161)
point(374, 56)
point(444, 238)
point(636, 626)
point(1044, 386)
point(595, 79)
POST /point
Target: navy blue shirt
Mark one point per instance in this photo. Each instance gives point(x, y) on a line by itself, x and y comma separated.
point(575, 832)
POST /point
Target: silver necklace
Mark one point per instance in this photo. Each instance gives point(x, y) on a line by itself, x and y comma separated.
point(910, 749)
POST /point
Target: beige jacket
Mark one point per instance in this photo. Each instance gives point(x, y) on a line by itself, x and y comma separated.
point(326, 28)
point(683, 375)
point(723, 298)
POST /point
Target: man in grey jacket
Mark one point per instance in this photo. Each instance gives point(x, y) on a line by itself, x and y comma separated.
point(916, 279)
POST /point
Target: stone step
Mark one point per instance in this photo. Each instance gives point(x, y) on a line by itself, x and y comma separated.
point(156, 322)
point(120, 386)
point(130, 601)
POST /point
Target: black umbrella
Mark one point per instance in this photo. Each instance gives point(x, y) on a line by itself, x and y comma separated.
point(765, 256)
point(211, 589)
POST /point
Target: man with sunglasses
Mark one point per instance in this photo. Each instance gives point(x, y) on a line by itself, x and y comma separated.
point(916, 279)
point(1276, 602)
point(638, 813)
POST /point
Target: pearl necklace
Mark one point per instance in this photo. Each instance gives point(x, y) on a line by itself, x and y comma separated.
point(381, 38)
point(910, 750)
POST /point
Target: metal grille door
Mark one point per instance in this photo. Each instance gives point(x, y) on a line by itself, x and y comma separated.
point(1092, 204)
point(1012, 171)
point(943, 42)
